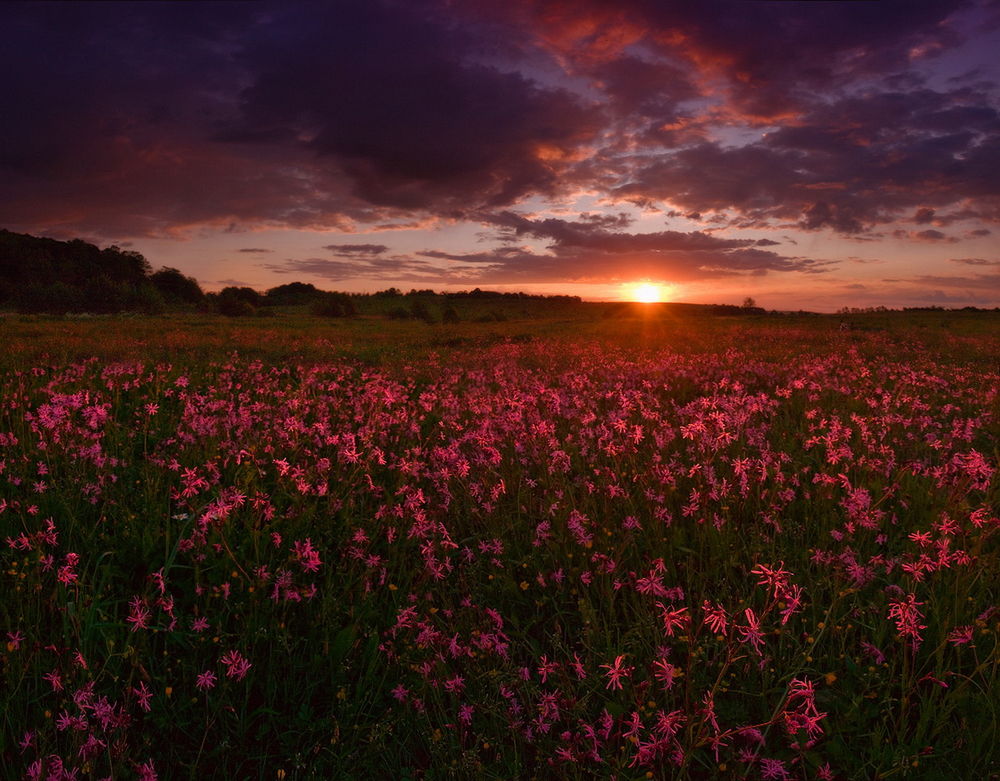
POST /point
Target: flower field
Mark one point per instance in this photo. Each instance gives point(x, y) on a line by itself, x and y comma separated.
point(748, 554)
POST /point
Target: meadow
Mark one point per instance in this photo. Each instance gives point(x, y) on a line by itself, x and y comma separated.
point(566, 546)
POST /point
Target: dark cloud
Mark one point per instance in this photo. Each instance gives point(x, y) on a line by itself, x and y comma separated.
point(571, 235)
point(923, 291)
point(255, 250)
point(606, 221)
point(374, 268)
point(651, 89)
point(987, 282)
point(154, 119)
point(582, 250)
point(303, 115)
point(841, 217)
point(846, 165)
point(353, 250)
point(108, 106)
point(975, 261)
point(771, 57)
point(392, 96)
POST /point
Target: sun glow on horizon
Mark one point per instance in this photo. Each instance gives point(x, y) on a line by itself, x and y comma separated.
point(646, 293)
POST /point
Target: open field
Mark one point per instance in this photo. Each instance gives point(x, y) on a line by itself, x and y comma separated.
point(570, 544)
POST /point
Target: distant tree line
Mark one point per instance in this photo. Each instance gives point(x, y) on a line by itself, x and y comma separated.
point(476, 293)
point(244, 301)
point(42, 275)
point(47, 276)
point(58, 277)
point(868, 310)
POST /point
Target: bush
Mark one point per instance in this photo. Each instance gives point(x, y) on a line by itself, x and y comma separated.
point(230, 306)
point(333, 305)
point(57, 298)
point(420, 311)
point(238, 301)
point(146, 299)
point(494, 316)
point(175, 287)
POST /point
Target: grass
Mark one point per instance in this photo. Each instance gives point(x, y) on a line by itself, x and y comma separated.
point(566, 544)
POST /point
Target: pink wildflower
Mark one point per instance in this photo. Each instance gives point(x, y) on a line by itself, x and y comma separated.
point(775, 578)
point(664, 672)
point(139, 614)
point(616, 672)
point(960, 635)
point(907, 616)
point(715, 618)
point(236, 665)
point(307, 556)
point(773, 770)
point(673, 619)
point(55, 680)
point(751, 632)
point(546, 668)
point(206, 680)
point(143, 696)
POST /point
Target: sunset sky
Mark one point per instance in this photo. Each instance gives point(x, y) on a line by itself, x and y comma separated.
point(812, 155)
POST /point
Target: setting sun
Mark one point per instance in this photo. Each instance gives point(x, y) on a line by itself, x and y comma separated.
point(647, 293)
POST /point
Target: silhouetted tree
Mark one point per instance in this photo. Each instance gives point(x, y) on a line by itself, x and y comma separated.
point(333, 305)
point(175, 287)
point(292, 294)
point(238, 301)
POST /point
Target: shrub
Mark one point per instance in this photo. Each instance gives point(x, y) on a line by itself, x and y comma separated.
point(333, 305)
point(419, 310)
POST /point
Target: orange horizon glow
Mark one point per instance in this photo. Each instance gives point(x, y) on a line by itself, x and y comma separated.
point(645, 292)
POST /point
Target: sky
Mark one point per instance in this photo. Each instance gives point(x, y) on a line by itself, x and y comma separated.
point(811, 155)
